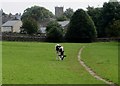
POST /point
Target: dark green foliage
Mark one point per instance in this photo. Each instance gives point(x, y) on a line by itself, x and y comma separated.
point(51, 24)
point(30, 26)
point(68, 13)
point(61, 18)
point(37, 13)
point(81, 28)
point(104, 16)
point(96, 14)
point(54, 32)
point(113, 29)
point(111, 11)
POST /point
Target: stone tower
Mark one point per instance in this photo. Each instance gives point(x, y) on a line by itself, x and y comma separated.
point(58, 11)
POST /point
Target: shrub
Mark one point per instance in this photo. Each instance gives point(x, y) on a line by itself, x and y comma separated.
point(30, 26)
point(54, 32)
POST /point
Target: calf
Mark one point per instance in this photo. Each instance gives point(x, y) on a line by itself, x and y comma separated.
point(60, 52)
point(57, 51)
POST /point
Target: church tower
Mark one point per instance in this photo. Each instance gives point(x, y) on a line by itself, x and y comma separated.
point(59, 11)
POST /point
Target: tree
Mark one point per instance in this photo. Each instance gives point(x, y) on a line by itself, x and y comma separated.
point(68, 13)
point(54, 32)
point(37, 13)
point(81, 28)
point(110, 12)
point(62, 18)
point(96, 14)
point(30, 26)
point(102, 17)
point(113, 29)
point(51, 24)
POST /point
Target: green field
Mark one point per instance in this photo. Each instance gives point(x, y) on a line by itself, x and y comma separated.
point(103, 59)
point(35, 63)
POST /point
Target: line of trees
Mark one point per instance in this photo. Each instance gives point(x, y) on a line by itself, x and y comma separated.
point(105, 19)
point(84, 26)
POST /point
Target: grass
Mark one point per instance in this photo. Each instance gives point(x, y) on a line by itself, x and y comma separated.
point(35, 63)
point(103, 59)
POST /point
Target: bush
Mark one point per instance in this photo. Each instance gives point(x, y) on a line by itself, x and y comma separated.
point(62, 18)
point(30, 26)
point(54, 32)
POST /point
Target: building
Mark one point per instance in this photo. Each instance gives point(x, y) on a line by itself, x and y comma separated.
point(43, 25)
point(8, 17)
point(42, 31)
point(59, 11)
point(64, 24)
point(12, 26)
point(0, 18)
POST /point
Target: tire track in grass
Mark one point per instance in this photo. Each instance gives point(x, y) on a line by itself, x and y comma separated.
point(91, 72)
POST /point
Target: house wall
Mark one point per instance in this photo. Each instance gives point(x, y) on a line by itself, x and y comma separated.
point(6, 29)
point(16, 27)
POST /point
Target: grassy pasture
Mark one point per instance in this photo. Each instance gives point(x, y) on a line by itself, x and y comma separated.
point(103, 59)
point(35, 63)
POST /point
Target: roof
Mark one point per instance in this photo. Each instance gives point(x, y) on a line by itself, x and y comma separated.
point(64, 23)
point(10, 23)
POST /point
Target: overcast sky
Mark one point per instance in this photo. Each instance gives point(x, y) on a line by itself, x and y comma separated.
point(18, 6)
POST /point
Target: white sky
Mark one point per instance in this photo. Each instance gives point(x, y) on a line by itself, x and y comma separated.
point(18, 6)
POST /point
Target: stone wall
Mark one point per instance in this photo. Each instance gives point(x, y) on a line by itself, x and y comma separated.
point(22, 37)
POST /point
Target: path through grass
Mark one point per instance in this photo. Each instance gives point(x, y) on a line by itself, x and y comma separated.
point(35, 63)
point(103, 59)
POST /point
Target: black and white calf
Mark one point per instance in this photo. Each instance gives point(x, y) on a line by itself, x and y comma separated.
point(60, 52)
point(57, 51)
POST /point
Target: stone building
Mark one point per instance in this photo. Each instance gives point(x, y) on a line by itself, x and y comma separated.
point(59, 11)
point(8, 17)
point(12, 26)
